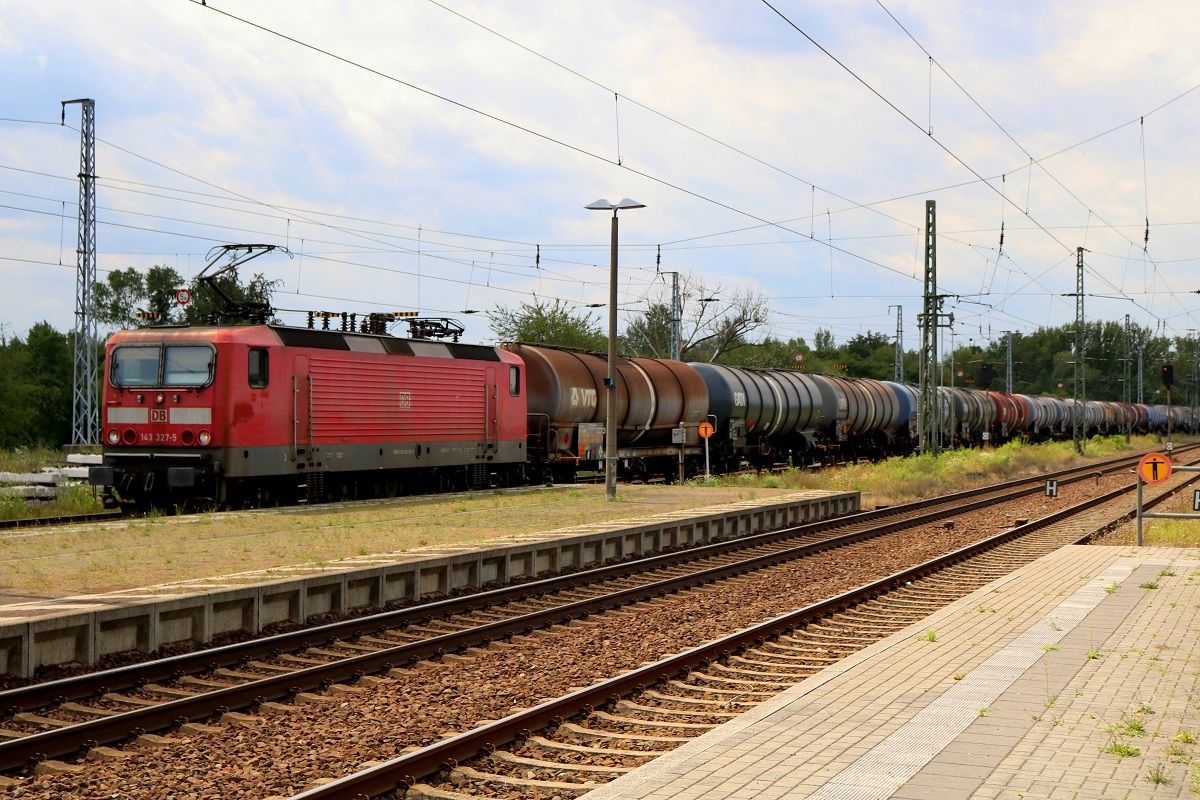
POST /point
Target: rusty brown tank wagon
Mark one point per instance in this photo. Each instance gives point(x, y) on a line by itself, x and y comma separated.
point(660, 405)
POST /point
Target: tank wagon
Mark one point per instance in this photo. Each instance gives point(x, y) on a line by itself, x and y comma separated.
point(265, 413)
point(660, 405)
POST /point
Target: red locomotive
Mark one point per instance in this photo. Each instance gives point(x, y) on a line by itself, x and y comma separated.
point(267, 413)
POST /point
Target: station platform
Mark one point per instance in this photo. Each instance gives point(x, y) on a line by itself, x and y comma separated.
point(1077, 676)
point(85, 629)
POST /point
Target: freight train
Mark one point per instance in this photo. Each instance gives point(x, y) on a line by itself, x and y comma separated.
point(264, 414)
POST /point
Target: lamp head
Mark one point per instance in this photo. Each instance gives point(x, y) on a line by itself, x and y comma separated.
point(604, 205)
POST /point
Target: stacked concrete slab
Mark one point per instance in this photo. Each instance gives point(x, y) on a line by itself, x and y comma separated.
point(85, 629)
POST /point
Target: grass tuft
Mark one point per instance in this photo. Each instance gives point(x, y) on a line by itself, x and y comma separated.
point(1121, 750)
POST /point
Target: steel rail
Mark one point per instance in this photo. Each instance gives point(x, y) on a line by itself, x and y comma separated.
point(404, 771)
point(135, 675)
point(66, 519)
point(64, 741)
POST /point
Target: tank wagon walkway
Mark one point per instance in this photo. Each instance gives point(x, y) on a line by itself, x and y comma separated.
point(1070, 678)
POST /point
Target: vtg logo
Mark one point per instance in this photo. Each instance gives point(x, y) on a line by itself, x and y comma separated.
point(585, 398)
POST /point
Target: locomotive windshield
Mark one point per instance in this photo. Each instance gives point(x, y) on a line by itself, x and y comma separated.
point(158, 365)
point(187, 366)
point(135, 366)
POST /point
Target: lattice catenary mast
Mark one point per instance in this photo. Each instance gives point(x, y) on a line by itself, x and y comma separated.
point(1079, 422)
point(898, 359)
point(927, 405)
point(85, 424)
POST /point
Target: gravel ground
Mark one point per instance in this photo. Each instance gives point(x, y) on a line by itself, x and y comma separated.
point(282, 754)
point(127, 554)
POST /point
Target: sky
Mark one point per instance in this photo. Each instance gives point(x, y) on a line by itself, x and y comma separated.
point(436, 156)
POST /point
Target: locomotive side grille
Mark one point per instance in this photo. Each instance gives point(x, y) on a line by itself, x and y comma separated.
point(400, 400)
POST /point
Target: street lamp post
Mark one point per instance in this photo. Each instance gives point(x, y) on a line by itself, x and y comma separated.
point(610, 383)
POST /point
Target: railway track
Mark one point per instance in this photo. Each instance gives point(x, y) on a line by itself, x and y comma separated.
point(67, 519)
point(571, 744)
point(108, 707)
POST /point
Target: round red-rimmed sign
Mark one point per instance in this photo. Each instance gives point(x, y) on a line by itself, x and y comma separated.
point(183, 296)
point(1154, 468)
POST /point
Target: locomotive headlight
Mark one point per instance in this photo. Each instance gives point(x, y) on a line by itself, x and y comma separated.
point(205, 438)
point(160, 398)
point(114, 436)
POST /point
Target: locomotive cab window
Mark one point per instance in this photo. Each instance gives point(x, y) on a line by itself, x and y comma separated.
point(188, 365)
point(134, 365)
point(514, 381)
point(258, 368)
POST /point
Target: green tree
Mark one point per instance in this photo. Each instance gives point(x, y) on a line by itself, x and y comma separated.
point(49, 370)
point(649, 334)
point(869, 355)
point(161, 285)
point(823, 342)
point(715, 321)
point(545, 322)
point(772, 353)
point(116, 300)
point(36, 387)
point(126, 292)
point(16, 420)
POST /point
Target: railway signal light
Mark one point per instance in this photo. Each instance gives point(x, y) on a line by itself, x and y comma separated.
point(987, 374)
point(1168, 375)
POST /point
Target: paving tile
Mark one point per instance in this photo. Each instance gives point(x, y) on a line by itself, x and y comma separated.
point(846, 718)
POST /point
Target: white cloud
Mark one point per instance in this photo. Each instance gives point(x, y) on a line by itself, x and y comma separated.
point(8, 41)
point(268, 119)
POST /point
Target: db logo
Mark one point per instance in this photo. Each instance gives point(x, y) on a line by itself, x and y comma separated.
point(158, 415)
